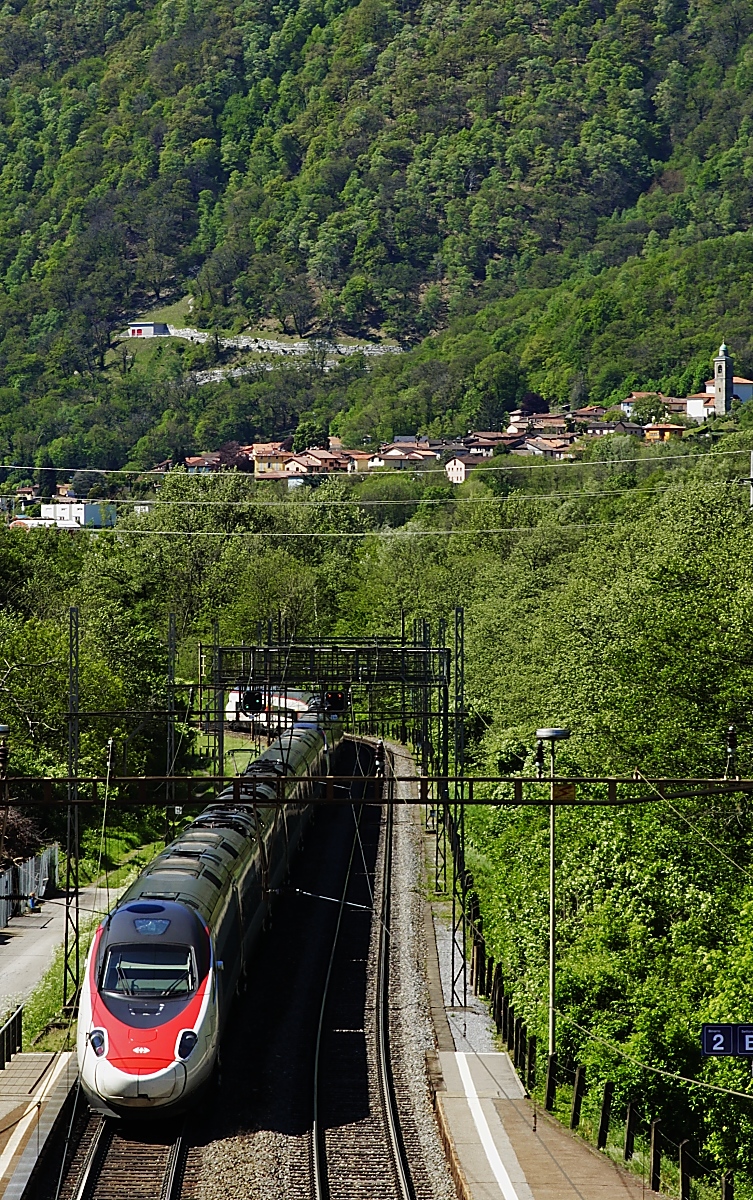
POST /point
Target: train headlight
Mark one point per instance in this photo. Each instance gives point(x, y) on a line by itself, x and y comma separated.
point(97, 1040)
point(187, 1043)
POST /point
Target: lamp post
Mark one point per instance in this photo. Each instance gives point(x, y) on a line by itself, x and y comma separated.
point(552, 735)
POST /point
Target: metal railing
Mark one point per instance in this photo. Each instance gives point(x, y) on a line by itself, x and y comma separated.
point(10, 1036)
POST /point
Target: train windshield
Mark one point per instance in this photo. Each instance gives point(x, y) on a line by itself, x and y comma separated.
point(156, 971)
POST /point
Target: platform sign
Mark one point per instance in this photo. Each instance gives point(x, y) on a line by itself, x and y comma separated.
point(719, 1041)
point(744, 1041)
point(563, 793)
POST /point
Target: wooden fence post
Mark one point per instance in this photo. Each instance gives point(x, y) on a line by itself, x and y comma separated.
point(522, 1048)
point(480, 980)
point(654, 1164)
point(532, 1062)
point(551, 1082)
point(606, 1113)
point(503, 1023)
point(489, 976)
point(630, 1121)
point(516, 1042)
point(578, 1090)
point(510, 1038)
point(685, 1169)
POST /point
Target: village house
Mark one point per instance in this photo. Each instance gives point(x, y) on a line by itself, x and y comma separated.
point(303, 463)
point(43, 523)
point(85, 513)
point(550, 447)
point(358, 460)
point(662, 431)
point(203, 464)
point(544, 422)
point(25, 496)
point(328, 460)
point(269, 456)
point(629, 427)
point(459, 467)
point(591, 412)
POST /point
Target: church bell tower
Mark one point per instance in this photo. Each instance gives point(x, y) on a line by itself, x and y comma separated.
point(722, 381)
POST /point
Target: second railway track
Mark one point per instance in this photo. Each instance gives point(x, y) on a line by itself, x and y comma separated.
point(357, 1141)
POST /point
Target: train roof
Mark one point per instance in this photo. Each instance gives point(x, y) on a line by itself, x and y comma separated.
point(196, 868)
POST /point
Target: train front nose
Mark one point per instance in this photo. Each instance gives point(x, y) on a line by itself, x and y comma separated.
point(140, 1090)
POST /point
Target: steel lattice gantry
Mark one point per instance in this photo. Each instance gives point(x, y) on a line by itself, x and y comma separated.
point(398, 687)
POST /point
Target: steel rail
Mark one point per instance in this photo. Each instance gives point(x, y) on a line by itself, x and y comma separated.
point(384, 1069)
point(173, 1178)
point(318, 1148)
point(86, 1187)
point(95, 1157)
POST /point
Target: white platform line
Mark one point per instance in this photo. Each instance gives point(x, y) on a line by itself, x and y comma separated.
point(499, 1170)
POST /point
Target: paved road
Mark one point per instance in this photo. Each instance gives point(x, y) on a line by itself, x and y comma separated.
point(28, 943)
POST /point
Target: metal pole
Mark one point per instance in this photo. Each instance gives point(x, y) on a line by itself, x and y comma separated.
point(71, 947)
point(552, 916)
point(171, 648)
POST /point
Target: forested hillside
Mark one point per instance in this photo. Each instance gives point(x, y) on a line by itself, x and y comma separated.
point(576, 176)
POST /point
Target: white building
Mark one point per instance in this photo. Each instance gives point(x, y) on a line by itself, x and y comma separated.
point(148, 329)
point(86, 514)
point(459, 467)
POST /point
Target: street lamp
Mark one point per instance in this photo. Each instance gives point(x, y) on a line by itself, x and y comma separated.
point(551, 735)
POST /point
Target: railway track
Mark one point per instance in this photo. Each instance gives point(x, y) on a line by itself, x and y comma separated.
point(115, 1161)
point(357, 1145)
point(324, 980)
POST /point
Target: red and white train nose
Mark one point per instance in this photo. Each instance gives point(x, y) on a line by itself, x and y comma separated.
point(147, 1027)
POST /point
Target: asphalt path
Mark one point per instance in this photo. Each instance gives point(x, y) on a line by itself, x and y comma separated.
point(29, 942)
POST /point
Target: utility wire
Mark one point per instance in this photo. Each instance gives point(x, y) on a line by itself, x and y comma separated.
point(356, 503)
point(380, 472)
point(695, 828)
point(395, 533)
point(713, 1087)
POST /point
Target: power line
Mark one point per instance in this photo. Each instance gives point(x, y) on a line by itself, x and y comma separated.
point(356, 503)
point(695, 828)
point(396, 533)
point(381, 472)
point(701, 1083)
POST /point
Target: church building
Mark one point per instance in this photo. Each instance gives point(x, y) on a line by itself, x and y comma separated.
point(720, 391)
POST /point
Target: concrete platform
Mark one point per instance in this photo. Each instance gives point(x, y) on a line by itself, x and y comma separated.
point(499, 1152)
point(33, 1090)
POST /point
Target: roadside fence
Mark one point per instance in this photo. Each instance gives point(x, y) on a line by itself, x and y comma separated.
point(26, 881)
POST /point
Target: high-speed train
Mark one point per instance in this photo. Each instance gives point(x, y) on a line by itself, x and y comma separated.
point(164, 965)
